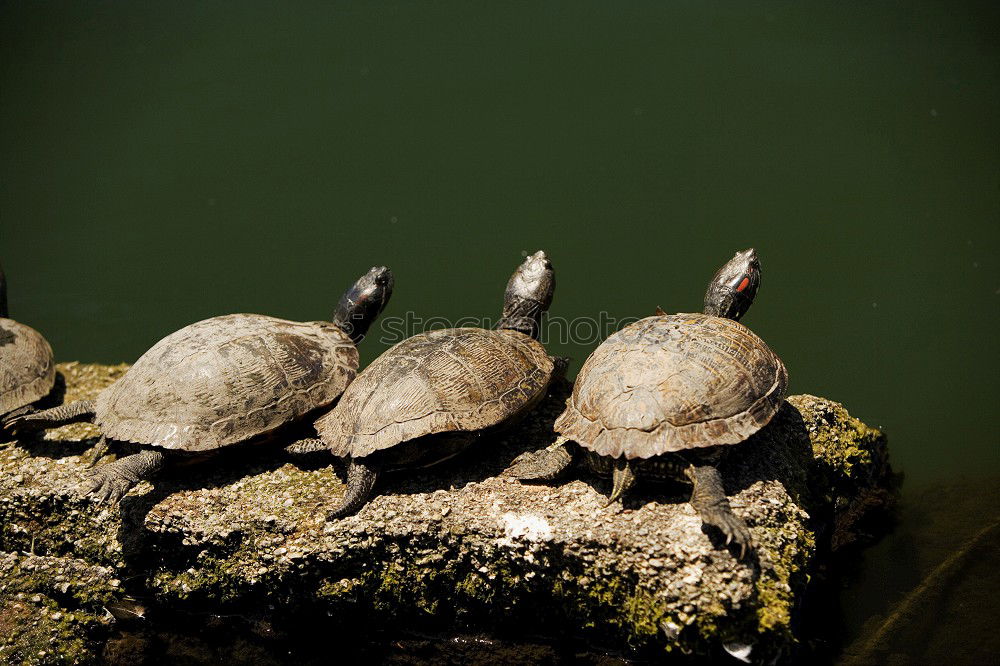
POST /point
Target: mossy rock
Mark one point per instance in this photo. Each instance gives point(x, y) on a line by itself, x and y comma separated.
point(457, 547)
point(54, 610)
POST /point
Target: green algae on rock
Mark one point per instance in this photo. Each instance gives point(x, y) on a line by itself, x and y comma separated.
point(460, 548)
point(53, 610)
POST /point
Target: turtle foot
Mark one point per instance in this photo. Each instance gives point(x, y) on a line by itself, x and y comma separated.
point(109, 483)
point(732, 527)
point(105, 487)
point(543, 465)
point(709, 499)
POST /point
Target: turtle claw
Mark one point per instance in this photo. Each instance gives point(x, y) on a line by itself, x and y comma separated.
point(614, 506)
point(104, 487)
point(106, 484)
point(510, 471)
point(109, 483)
point(18, 423)
point(734, 529)
point(110, 491)
point(87, 487)
point(11, 428)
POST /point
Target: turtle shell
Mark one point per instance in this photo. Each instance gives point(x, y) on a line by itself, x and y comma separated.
point(460, 379)
point(225, 380)
point(673, 382)
point(27, 369)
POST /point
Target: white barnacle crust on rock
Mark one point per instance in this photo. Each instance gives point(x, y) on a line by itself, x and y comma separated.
point(447, 549)
point(526, 526)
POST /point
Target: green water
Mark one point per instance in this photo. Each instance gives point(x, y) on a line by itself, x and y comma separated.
point(165, 162)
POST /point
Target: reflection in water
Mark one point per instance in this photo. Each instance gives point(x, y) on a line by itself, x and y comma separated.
point(927, 594)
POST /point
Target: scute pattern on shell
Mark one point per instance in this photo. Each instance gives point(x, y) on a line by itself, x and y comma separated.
point(27, 369)
point(449, 380)
point(227, 379)
point(674, 382)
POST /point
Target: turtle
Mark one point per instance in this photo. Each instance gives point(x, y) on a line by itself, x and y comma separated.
point(666, 396)
point(430, 396)
point(220, 382)
point(27, 366)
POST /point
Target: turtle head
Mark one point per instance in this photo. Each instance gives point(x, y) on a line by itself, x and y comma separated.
point(361, 305)
point(528, 295)
point(734, 286)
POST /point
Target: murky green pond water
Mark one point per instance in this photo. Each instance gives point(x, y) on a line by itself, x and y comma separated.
point(165, 162)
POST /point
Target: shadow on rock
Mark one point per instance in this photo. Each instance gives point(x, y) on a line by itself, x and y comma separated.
point(37, 446)
point(491, 453)
point(780, 451)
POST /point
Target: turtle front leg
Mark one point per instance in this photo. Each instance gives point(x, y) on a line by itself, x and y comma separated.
point(709, 499)
point(111, 482)
point(360, 483)
point(544, 465)
point(74, 412)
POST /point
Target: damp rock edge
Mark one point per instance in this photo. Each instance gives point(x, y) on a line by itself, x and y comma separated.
point(451, 549)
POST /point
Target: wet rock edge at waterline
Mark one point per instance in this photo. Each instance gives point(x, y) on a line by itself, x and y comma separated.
point(455, 547)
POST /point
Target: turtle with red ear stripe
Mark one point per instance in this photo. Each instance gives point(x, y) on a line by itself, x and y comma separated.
point(667, 396)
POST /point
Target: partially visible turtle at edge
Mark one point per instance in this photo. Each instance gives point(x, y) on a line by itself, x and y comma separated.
point(27, 368)
point(430, 396)
point(220, 382)
point(665, 397)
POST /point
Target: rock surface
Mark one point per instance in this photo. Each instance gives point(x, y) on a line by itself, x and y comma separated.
point(451, 549)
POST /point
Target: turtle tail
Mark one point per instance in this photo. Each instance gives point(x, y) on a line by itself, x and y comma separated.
point(360, 483)
point(622, 478)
